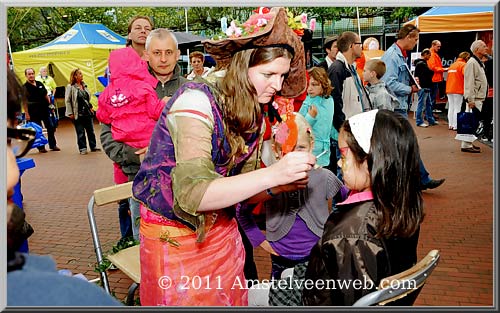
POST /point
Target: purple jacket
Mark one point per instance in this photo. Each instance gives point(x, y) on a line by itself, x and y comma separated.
point(153, 184)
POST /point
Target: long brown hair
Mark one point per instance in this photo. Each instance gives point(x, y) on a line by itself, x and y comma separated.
point(239, 103)
point(72, 76)
point(394, 169)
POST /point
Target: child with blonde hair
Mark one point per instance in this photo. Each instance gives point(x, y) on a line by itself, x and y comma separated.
point(294, 219)
point(379, 94)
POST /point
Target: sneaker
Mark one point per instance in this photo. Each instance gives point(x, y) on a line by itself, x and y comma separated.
point(83, 152)
point(434, 123)
point(56, 148)
point(43, 150)
point(422, 125)
point(485, 139)
point(433, 183)
point(95, 150)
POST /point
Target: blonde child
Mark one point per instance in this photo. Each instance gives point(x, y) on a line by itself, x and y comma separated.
point(294, 219)
point(380, 96)
point(317, 108)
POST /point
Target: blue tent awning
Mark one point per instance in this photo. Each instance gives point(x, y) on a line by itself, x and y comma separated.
point(87, 34)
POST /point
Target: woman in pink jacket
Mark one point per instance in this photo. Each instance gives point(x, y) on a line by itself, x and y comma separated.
point(129, 103)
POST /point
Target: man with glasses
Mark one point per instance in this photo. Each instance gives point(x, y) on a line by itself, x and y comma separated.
point(349, 94)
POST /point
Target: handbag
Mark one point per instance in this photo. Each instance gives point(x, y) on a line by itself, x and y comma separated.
point(40, 139)
point(467, 123)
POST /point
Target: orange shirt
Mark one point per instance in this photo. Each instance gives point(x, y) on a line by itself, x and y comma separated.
point(455, 81)
point(436, 66)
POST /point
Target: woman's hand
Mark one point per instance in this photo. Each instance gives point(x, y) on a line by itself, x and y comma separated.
point(293, 167)
point(71, 117)
point(266, 246)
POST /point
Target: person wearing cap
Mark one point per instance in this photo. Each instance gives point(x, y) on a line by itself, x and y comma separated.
point(330, 47)
point(203, 161)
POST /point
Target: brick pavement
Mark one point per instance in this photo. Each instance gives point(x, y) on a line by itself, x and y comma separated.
point(458, 222)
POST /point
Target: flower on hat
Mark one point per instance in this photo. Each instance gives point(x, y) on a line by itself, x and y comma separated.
point(312, 24)
point(297, 23)
point(262, 10)
point(233, 31)
point(253, 25)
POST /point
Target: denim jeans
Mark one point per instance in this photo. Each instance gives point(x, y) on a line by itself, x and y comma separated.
point(424, 102)
point(135, 215)
point(124, 218)
point(434, 93)
point(424, 175)
point(85, 124)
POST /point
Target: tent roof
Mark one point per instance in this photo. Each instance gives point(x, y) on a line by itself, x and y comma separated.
point(188, 38)
point(455, 19)
point(456, 10)
point(87, 34)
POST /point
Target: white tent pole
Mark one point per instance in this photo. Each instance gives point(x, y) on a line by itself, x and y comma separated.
point(187, 50)
point(359, 27)
point(10, 54)
point(416, 24)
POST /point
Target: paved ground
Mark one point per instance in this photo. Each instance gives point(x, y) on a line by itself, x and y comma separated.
point(458, 222)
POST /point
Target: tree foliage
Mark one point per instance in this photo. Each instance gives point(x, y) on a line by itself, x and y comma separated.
point(29, 27)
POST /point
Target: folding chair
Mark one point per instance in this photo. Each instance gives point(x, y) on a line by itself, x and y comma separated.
point(390, 288)
point(127, 260)
point(400, 285)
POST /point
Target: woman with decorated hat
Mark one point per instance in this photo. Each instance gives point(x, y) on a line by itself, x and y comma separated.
point(203, 161)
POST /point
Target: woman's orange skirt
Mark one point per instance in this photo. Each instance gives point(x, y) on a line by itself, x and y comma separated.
point(178, 271)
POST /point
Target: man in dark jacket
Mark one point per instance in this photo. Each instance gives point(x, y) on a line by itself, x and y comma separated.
point(424, 74)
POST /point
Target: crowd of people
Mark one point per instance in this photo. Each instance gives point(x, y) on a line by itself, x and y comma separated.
point(193, 148)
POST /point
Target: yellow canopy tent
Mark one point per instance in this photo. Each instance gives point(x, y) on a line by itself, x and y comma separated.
point(84, 46)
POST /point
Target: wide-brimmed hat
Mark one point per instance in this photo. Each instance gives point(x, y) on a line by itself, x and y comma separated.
point(276, 33)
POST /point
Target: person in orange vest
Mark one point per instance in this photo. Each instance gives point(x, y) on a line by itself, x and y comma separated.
point(436, 66)
point(455, 88)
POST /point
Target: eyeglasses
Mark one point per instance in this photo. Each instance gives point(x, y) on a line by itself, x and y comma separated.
point(20, 140)
point(357, 43)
